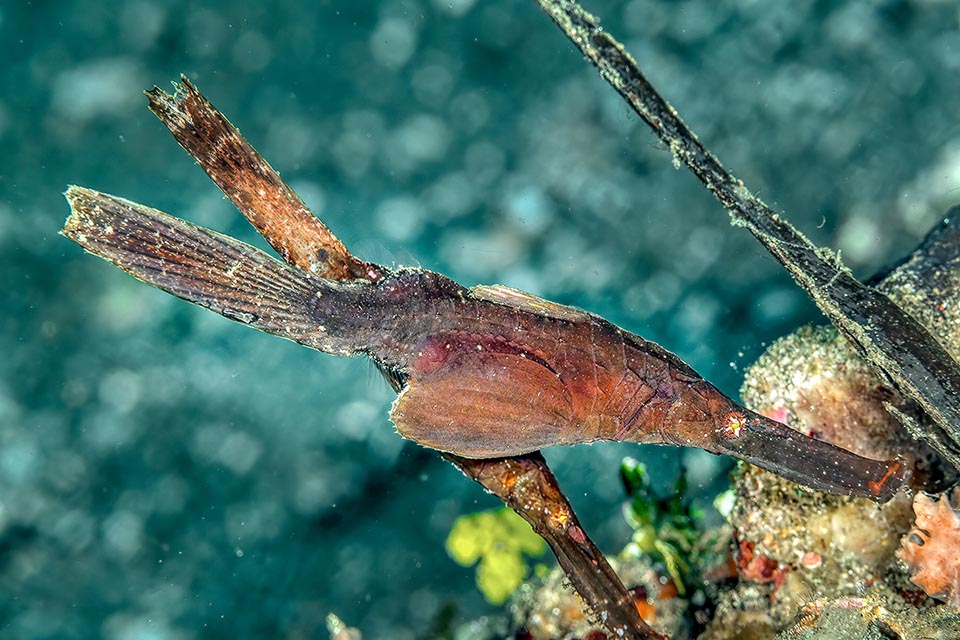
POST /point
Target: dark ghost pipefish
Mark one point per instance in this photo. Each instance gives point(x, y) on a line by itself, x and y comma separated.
point(484, 372)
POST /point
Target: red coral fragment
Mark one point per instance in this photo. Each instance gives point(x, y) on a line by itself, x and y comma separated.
point(759, 568)
point(932, 548)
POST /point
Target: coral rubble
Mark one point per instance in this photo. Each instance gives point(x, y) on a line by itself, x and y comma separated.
point(548, 610)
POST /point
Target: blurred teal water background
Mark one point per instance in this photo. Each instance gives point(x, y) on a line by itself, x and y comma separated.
point(167, 474)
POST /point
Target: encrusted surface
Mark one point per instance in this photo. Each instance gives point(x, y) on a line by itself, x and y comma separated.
point(813, 381)
point(549, 610)
point(825, 552)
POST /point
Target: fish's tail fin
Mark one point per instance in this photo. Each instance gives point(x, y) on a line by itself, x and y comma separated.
point(202, 266)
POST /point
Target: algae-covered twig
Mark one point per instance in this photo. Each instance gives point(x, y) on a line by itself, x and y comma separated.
point(892, 341)
point(524, 483)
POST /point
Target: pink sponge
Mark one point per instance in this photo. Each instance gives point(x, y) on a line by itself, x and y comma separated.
point(932, 548)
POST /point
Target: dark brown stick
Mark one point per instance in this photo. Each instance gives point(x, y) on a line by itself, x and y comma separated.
point(892, 341)
point(524, 483)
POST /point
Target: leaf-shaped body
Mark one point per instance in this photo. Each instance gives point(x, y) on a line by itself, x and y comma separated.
point(514, 373)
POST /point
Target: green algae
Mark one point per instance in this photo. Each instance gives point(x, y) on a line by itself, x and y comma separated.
point(497, 541)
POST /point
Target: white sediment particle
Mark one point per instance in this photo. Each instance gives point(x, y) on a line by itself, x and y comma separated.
point(454, 7)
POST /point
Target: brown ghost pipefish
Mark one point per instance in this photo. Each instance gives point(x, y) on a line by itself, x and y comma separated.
point(484, 372)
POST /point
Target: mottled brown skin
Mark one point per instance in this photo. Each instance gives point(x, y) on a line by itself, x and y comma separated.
point(482, 373)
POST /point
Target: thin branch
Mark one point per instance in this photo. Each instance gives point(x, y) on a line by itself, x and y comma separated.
point(892, 341)
point(525, 483)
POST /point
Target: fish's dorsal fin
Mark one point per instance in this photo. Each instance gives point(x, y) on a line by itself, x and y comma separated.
point(510, 297)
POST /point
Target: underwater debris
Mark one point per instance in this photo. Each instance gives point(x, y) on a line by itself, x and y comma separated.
point(931, 549)
point(340, 631)
point(546, 609)
point(927, 282)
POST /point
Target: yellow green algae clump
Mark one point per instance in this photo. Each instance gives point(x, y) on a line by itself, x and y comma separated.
point(498, 539)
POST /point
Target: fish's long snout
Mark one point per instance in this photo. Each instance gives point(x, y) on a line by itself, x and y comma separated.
point(807, 461)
